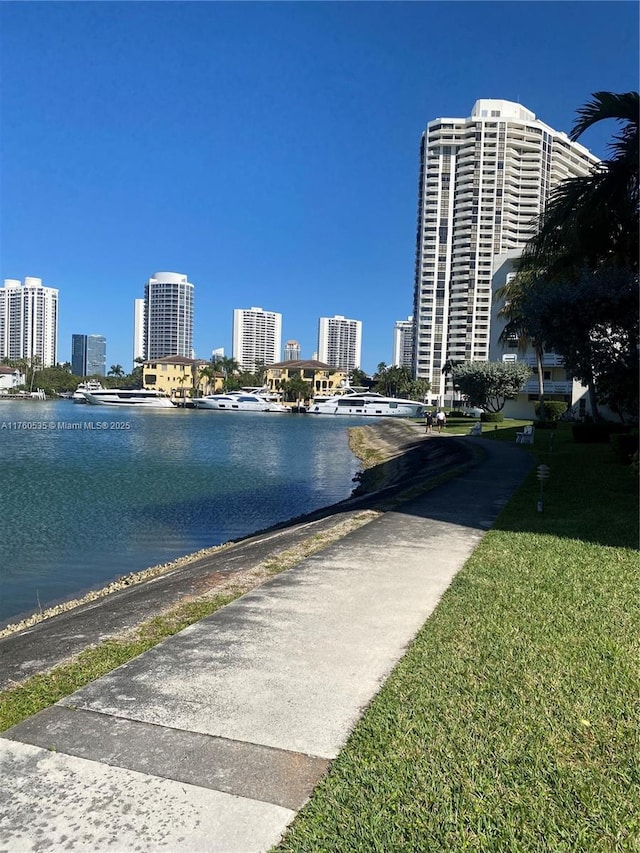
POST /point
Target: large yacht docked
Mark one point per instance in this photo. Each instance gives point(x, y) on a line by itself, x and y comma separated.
point(366, 404)
point(239, 401)
point(140, 398)
point(91, 385)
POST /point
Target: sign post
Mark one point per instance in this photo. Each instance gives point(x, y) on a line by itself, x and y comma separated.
point(543, 474)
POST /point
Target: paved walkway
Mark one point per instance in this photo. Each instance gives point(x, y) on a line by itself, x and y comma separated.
point(214, 739)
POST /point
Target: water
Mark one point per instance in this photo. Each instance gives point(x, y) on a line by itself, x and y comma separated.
point(88, 494)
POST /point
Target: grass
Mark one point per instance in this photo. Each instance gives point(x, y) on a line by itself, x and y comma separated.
point(511, 724)
point(41, 691)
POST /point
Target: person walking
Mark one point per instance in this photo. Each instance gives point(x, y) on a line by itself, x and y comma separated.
point(428, 422)
point(441, 420)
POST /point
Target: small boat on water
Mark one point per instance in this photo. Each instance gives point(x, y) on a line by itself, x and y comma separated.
point(92, 385)
point(239, 401)
point(140, 398)
point(367, 404)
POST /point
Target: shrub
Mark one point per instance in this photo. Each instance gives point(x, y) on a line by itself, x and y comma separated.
point(491, 417)
point(592, 433)
point(553, 410)
point(624, 445)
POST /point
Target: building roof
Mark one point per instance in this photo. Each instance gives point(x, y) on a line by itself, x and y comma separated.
point(5, 370)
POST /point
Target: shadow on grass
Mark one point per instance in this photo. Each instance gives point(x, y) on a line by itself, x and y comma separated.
point(589, 495)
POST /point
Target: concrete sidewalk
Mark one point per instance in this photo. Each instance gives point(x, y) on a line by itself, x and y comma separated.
point(214, 739)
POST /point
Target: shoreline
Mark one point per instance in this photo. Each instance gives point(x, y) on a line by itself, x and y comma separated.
point(363, 441)
point(395, 457)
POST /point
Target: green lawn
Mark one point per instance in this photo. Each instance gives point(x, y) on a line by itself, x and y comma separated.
point(511, 724)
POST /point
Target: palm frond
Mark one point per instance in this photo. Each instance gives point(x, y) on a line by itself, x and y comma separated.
point(606, 105)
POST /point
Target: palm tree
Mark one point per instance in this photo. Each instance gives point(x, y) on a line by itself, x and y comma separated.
point(34, 364)
point(227, 366)
point(591, 223)
point(209, 373)
point(116, 370)
point(594, 219)
point(448, 369)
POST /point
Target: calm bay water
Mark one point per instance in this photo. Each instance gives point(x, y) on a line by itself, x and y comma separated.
point(88, 494)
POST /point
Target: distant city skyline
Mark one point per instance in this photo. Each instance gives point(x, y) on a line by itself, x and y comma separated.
point(273, 156)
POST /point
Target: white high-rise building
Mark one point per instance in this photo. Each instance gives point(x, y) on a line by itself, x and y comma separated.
point(168, 316)
point(257, 336)
point(138, 329)
point(483, 182)
point(29, 321)
point(403, 343)
point(340, 342)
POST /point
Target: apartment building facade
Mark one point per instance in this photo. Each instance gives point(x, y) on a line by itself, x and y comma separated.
point(403, 343)
point(340, 342)
point(484, 181)
point(88, 355)
point(168, 316)
point(257, 337)
point(292, 351)
point(29, 321)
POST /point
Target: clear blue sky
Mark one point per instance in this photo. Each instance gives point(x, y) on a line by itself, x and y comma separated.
point(267, 150)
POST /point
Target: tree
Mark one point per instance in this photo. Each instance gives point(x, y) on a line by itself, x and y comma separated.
point(56, 379)
point(593, 219)
point(358, 378)
point(34, 364)
point(592, 322)
point(228, 367)
point(489, 384)
point(116, 370)
point(296, 388)
point(523, 324)
point(398, 382)
point(209, 374)
point(586, 248)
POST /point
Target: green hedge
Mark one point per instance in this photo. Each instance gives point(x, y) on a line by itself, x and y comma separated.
point(553, 410)
point(492, 417)
point(600, 433)
point(624, 445)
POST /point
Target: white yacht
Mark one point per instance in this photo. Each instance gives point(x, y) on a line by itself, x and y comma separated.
point(239, 401)
point(140, 398)
point(90, 385)
point(366, 404)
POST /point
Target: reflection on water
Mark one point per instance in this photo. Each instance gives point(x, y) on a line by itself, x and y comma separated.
point(83, 505)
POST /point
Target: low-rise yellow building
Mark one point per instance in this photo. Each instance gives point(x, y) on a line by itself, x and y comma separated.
point(180, 377)
point(320, 377)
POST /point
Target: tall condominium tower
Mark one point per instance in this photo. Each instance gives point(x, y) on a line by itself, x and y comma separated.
point(483, 181)
point(29, 321)
point(88, 355)
point(168, 316)
point(292, 351)
point(138, 329)
point(257, 336)
point(403, 343)
point(339, 342)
